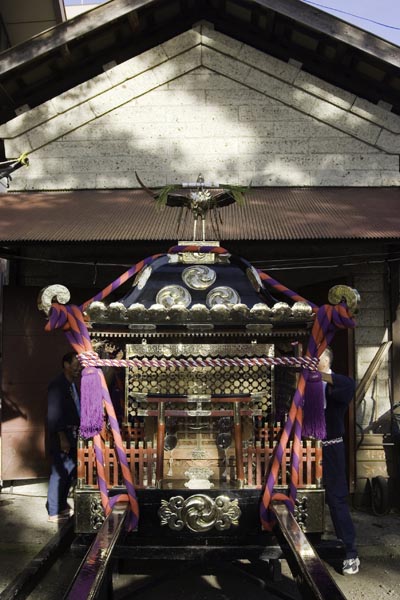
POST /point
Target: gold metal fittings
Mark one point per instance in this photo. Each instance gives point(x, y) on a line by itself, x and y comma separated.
point(199, 513)
point(173, 295)
point(340, 293)
point(58, 292)
point(199, 277)
point(222, 296)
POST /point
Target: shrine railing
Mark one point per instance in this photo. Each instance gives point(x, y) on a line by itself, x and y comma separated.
point(142, 460)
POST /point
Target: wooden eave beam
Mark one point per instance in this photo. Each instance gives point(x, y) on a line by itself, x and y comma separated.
point(7, 97)
point(105, 14)
point(59, 11)
point(66, 39)
point(270, 17)
point(134, 21)
point(56, 37)
point(324, 23)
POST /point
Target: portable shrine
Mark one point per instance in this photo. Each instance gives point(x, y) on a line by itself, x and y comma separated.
point(199, 393)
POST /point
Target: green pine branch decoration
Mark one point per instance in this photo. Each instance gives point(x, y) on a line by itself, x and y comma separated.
point(162, 196)
point(237, 192)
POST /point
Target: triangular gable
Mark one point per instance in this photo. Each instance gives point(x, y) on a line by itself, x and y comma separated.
point(357, 140)
point(79, 49)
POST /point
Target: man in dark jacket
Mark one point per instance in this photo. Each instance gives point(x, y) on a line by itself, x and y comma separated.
point(63, 418)
point(339, 391)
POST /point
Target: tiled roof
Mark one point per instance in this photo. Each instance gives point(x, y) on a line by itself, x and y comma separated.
point(268, 214)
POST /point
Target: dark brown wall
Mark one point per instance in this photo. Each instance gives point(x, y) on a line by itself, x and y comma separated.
point(31, 358)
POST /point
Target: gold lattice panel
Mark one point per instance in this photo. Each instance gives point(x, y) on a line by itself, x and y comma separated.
point(216, 380)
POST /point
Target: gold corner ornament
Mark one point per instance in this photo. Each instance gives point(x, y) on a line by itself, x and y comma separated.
point(344, 293)
point(51, 292)
point(9, 166)
point(199, 513)
point(23, 159)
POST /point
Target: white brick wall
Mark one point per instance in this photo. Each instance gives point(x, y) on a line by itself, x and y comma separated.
point(370, 333)
point(204, 102)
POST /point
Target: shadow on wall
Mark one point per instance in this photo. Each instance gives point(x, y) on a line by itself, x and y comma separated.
point(31, 359)
point(214, 125)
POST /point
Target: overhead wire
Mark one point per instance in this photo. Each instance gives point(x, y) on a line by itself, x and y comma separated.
point(344, 12)
point(322, 262)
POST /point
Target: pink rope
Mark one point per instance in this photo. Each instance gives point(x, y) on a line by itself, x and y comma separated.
point(91, 359)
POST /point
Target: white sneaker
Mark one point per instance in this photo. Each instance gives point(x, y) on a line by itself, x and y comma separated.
point(351, 566)
point(57, 518)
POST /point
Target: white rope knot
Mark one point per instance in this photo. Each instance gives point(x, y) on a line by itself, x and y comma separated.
point(88, 359)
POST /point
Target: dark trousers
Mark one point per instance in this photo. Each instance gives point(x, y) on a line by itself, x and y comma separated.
point(62, 475)
point(336, 494)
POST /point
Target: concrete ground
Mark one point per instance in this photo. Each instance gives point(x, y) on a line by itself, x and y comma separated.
point(24, 530)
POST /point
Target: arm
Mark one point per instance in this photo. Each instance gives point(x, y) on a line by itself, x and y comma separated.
point(342, 388)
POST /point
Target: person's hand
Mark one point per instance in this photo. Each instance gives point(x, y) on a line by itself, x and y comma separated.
point(327, 377)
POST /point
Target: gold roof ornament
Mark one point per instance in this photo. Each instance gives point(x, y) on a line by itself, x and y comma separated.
point(200, 198)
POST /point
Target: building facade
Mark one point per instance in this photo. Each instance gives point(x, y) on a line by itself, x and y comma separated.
point(206, 102)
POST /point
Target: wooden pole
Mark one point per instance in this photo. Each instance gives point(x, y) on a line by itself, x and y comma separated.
point(237, 425)
point(371, 372)
point(160, 442)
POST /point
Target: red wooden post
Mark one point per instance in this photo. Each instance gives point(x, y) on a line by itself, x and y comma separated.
point(160, 442)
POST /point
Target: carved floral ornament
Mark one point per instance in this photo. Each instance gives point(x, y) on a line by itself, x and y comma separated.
point(56, 292)
point(340, 293)
point(199, 513)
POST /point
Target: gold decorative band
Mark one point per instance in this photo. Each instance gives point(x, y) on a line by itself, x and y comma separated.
point(199, 513)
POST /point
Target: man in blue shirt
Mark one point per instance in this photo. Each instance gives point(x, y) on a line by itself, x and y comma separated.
point(339, 391)
point(63, 419)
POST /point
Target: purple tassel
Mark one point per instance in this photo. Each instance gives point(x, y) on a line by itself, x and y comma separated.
point(313, 410)
point(91, 403)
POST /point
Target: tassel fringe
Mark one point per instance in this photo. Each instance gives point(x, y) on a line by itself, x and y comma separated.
point(92, 415)
point(313, 410)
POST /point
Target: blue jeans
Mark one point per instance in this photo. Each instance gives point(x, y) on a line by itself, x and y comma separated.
point(62, 475)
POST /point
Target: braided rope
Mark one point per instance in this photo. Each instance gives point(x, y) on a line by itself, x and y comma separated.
point(120, 280)
point(328, 319)
point(70, 319)
point(123, 461)
point(279, 287)
point(91, 359)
